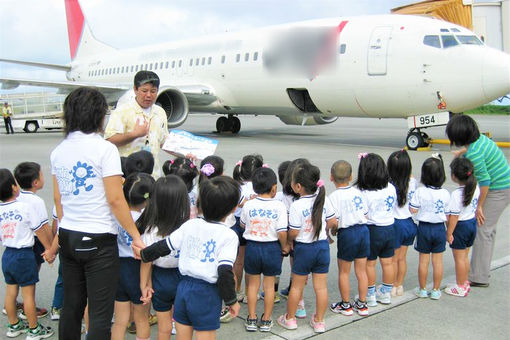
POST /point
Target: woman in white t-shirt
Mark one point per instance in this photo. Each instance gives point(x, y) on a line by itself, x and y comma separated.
point(87, 179)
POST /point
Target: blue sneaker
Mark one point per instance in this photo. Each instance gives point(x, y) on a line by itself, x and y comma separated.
point(285, 292)
point(276, 297)
point(435, 294)
point(301, 311)
point(421, 293)
point(371, 300)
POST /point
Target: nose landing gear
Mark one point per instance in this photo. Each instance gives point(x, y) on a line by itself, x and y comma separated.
point(416, 139)
point(231, 123)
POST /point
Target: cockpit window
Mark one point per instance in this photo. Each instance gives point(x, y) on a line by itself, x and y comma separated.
point(432, 40)
point(444, 30)
point(454, 30)
point(449, 41)
point(469, 40)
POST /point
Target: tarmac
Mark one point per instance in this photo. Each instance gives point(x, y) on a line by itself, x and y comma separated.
point(485, 313)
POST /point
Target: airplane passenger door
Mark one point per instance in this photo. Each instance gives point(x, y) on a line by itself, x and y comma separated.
point(378, 51)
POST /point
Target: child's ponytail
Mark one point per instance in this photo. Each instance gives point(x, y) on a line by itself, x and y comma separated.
point(463, 170)
point(245, 168)
point(317, 210)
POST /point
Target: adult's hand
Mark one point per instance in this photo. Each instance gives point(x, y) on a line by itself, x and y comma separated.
point(480, 217)
point(141, 128)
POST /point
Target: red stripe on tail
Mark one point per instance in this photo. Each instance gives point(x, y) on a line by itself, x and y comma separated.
point(75, 23)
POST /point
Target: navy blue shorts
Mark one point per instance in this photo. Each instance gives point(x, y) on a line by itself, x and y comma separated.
point(405, 232)
point(164, 283)
point(239, 231)
point(198, 304)
point(311, 258)
point(431, 238)
point(128, 288)
point(19, 267)
point(353, 242)
point(263, 258)
point(382, 241)
point(38, 250)
point(464, 234)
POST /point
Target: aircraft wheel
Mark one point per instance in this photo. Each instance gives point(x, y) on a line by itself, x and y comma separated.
point(425, 138)
point(414, 140)
point(236, 125)
point(221, 124)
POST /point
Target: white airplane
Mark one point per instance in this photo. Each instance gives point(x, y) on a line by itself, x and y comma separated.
point(305, 73)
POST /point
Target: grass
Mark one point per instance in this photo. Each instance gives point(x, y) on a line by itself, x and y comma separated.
point(490, 110)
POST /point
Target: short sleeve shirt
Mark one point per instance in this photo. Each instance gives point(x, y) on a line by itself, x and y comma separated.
point(169, 261)
point(403, 211)
point(124, 240)
point(300, 218)
point(37, 204)
point(246, 194)
point(432, 204)
point(263, 219)
point(18, 224)
point(380, 205)
point(349, 206)
point(456, 206)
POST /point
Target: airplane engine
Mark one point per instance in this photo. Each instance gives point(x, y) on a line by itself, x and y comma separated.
point(307, 120)
point(175, 104)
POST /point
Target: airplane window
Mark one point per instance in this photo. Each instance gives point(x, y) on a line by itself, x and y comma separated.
point(173, 64)
point(197, 61)
point(469, 40)
point(166, 64)
point(444, 30)
point(209, 61)
point(238, 58)
point(223, 59)
point(203, 61)
point(112, 71)
point(432, 40)
point(136, 68)
point(255, 56)
point(191, 62)
point(180, 63)
point(246, 57)
point(454, 30)
point(146, 67)
point(342, 48)
point(118, 69)
point(150, 66)
point(161, 65)
point(122, 69)
point(449, 41)
point(155, 66)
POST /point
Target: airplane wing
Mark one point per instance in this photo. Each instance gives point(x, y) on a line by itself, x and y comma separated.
point(36, 64)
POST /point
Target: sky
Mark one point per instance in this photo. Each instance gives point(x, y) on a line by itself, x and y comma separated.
point(35, 30)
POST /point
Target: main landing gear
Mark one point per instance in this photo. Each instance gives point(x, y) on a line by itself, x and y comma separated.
point(416, 139)
point(231, 123)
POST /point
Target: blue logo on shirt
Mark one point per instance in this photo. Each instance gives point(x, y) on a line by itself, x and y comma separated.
point(474, 203)
point(389, 202)
point(208, 251)
point(358, 202)
point(81, 172)
point(439, 205)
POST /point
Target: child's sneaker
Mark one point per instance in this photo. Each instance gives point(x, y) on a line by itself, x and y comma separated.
point(301, 311)
point(360, 307)
point(467, 287)
point(276, 297)
point(241, 297)
point(318, 326)
point(287, 324)
point(55, 313)
point(153, 319)
point(19, 328)
point(341, 307)
point(225, 315)
point(435, 294)
point(40, 332)
point(285, 292)
point(371, 300)
point(132, 328)
point(174, 330)
point(455, 290)
point(251, 324)
point(265, 325)
point(421, 293)
point(400, 290)
point(19, 307)
point(384, 298)
point(41, 313)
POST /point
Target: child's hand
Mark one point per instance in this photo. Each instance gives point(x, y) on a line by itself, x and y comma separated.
point(449, 238)
point(137, 247)
point(286, 250)
point(147, 292)
point(234, 309)
point(330, 240)
point(49, 256)
point(459, 152)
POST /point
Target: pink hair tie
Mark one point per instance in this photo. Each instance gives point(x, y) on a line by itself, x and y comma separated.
point(207, 169)
point(240, 163)
point(191, 165)
point(362, 155)
point(172, 161)
point(469, 173)
point(320, 183)
point(265, 165)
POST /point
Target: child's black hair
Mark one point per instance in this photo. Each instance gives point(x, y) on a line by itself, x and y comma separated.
point(182, 167)
point(462, 130)
point(6, 183)
point(372, 173)
point(399, 170)
point(210, 167)
point(282, 169)
point(26, 173)
point(463, 170)
point(138, 188)
point(308, 176)
point(287, 179)
point(263, 180)
point(218, 197)
point(432, 172)
point(140, 161)
point(244, 171)
point(168, 206)
point(341, 171)
point(123, 161)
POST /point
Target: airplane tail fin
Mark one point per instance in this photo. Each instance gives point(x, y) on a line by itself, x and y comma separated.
point(82, 42)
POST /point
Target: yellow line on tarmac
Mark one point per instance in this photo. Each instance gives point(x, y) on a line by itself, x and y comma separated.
point(447, 142)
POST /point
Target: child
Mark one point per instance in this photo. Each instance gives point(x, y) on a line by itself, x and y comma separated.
point(380, 197)
point(18, 225)
point(430, 204)
point(309, 218)
point(353, 239)
point(265, 223)
point(243, 172)
point(210, 167)
point(399, 169)
point(207, 254)
point(140, 161)
point(30, 178)
point(158, 222)
point(186, 170)
point(462, 222)
point(137, 189)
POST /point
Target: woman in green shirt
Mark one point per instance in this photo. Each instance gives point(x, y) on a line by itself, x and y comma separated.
point(493, 175)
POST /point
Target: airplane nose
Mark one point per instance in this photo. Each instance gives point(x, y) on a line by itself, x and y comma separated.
point(496, 74)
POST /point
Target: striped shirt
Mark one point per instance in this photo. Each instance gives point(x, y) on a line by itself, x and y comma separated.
point(491, 166)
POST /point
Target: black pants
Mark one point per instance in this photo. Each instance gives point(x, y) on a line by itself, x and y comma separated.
point(90, 268)
point(7, 122)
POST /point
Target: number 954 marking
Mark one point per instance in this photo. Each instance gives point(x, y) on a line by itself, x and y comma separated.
point(434, 119)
